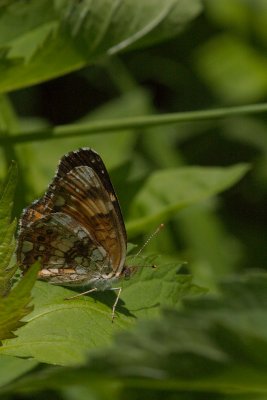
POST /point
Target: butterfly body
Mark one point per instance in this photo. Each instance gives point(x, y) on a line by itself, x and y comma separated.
point(76, 229)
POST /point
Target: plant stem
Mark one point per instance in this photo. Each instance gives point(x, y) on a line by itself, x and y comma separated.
point(111, 125)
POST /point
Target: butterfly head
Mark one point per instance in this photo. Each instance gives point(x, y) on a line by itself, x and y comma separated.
point(128, 271)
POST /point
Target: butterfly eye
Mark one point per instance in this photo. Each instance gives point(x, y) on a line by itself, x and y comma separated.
point(127, 272)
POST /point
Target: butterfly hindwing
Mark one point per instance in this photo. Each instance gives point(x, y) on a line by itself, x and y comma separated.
point(65, 250)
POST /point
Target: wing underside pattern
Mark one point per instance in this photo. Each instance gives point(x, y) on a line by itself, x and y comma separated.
point(82, 214)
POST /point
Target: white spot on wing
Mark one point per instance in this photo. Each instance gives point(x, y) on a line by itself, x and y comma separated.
point(112, 197)
point(45, 272)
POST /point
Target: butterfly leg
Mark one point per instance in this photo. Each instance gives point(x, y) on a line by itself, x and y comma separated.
point(116, 302)
point(81, 294)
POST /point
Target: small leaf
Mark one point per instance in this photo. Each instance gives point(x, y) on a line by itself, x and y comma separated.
point(168, 191)
point(7, 248)
point(6, 199)
point(15, 305)
point(7, 230)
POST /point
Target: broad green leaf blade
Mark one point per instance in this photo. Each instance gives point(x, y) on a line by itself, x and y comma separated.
point(64, 332)
point(215, 344)
point(44, 39)
point(111, 31)
point(168, 191)
point(15, 305)
point(6, 199)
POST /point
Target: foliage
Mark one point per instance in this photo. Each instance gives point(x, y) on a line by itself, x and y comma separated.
point(181, 351)
point(44, 39)
point(14, 304)
point(91, 325)
point(155, 202)
point(162, 90)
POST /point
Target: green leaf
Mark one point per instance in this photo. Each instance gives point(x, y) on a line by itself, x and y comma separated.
point(6, 199)
point(15, 305)
point(215, 344)
point(7, 248)
point(170, 190)
point(233, 69)
point(44, 39)
point(200, 225)
point(63, 332)
point(156, 285)
point(7, 230)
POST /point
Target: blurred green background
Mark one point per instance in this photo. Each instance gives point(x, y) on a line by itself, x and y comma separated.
point(219, 60)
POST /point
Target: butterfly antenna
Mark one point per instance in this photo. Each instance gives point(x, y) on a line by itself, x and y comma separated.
point(159, 228)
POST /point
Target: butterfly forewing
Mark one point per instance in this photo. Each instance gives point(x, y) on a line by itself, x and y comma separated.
point(80, 193)
point(79, 201)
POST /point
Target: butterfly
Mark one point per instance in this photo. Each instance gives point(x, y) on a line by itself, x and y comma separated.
point(76, 230)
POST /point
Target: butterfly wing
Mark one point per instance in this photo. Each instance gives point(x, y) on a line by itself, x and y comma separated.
point(65, 250)
point(81, 190)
